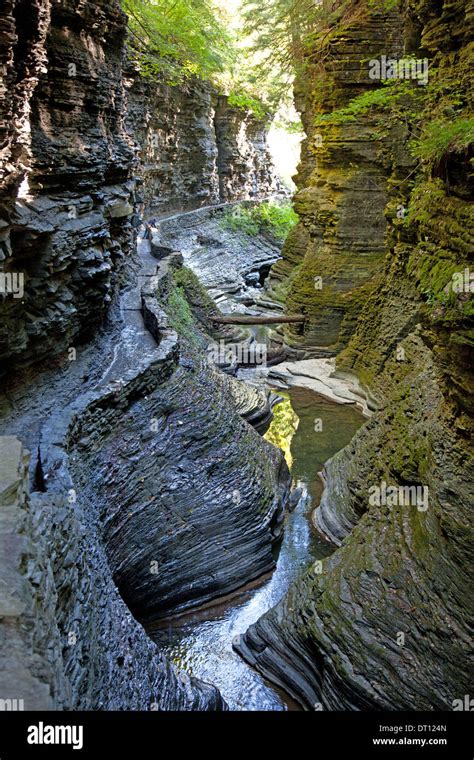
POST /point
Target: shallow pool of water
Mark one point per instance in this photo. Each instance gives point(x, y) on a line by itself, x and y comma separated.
point(310, 430)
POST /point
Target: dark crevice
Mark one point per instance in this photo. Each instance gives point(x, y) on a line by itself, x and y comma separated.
point(38, 480)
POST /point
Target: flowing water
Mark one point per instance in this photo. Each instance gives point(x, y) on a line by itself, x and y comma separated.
point(309, 430)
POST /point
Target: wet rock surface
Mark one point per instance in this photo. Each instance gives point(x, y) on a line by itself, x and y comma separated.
point(233, 267)
point(85, 650)
point(230, 264)
point(203, 642)
point(69, 641)
point(190, 497)
point(139, 487)
point(361, 632)
point(149, 490)
point(87, 148)
point(189, 509)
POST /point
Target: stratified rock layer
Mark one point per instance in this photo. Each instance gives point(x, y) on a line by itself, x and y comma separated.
point(331, 259)
point(226, 261)
point(141, 502)
point(386, 621)
point(87, 148)
point(189, 495)
point(68, 641)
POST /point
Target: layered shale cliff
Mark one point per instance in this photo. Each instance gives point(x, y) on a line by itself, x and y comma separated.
point(385, 622)
point(68, 641)
point(330, 261)
point(87, 146)
point(124, 502)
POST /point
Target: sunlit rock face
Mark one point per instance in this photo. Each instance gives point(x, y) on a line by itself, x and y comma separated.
point(384, 622)
point(194, 149)
point(244, 163)
point(331, 260)
point(89, 147)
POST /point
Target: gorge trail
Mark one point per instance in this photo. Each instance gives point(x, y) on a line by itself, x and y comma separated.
point(158, 541)
point(132, 358)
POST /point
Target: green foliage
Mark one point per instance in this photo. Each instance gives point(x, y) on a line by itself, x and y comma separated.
point(292, 127)
point(434, 214)
point(277, 30)
point(177, 39)
point(425, 197)
point(186, 278)
point(240, 220)
point(284, 35)
point(248, 103)
point(202, 306)
point(276, 219)
point(385, 97)
point(179, 314)
point(283, 427)
point(441, 137)
point(383, 5)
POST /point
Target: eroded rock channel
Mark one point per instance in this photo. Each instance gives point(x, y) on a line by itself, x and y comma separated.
point(203, 644)
point(149, 482)
point(159, 546)
point(306, 427)
point(184, 504)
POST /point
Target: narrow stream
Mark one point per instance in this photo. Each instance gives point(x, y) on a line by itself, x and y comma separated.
point(201, 643)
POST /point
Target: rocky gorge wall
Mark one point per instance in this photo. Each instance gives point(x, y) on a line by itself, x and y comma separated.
point(385, 622)
point(126, 490)
point(68, 641)
point(88, 147)
point(331, 260)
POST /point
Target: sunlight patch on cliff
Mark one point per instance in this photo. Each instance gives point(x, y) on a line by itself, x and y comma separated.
point(284, 426)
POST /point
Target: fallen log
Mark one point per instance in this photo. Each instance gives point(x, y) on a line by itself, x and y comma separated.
point(246, 319)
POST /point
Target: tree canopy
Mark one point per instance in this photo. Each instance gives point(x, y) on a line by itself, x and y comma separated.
point(248, 48)
point(179, 38)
